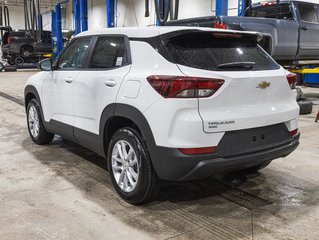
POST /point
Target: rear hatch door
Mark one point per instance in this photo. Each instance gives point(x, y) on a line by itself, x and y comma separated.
point(255, 92)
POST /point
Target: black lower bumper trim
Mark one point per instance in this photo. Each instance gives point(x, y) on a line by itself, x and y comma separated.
point(172, 165)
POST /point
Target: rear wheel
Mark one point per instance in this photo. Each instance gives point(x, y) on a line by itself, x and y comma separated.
point(26, 51)
point(36, 128)
point(130, 167)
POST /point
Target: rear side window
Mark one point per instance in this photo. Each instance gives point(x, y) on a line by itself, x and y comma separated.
point(308, 12)
point(219, 52)
point(273, 11)
point(18, 34)
point(110, 52)
point(46, 35)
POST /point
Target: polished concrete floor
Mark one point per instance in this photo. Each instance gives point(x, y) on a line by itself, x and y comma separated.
point(62, 191)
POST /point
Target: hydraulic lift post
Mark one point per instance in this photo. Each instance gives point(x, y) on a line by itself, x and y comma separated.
point(110, 13)
point(241, 7)
point(84, 15)
point(77, 17)
point(221, 7)
point(58, 28)
point(54, 38)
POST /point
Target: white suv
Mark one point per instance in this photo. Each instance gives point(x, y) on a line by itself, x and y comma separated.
point(166, 104)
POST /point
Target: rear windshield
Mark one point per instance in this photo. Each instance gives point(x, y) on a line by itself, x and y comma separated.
point(219, 52)
point(272, 11)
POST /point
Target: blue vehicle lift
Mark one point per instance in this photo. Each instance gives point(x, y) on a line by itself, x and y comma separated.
point(241, 7)
point(80, 23)
point(222, 7)
point(110, 13)
point(81, 17)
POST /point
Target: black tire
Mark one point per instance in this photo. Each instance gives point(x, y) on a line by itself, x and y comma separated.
point(305, 106)
point(10, 69)
point(26, 51)
point(19, 61)
point(148, 183)
point(43, 137)
point(11, 62)
point(1, 67)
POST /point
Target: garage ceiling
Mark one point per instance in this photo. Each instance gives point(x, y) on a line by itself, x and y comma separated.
point(44, 3)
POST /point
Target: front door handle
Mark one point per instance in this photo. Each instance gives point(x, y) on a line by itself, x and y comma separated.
point(110, 83)
point(304, 28)
point(68, 79)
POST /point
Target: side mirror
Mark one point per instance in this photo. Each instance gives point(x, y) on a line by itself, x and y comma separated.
point(45, 65)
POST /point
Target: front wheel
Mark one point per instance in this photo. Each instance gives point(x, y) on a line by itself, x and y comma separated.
point(37, 132)
point(130, 167)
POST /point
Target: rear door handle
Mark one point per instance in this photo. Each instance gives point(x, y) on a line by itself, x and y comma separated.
point(68, 79)
point(110, 83)
point(304, 28)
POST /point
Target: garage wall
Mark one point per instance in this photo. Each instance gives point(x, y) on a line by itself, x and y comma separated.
point(129, 13)
point(17, 17)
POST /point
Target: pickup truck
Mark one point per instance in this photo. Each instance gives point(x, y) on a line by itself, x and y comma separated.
point(290, 29)
point(17, 44)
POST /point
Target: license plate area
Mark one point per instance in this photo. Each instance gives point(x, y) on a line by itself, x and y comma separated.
point(251, 140)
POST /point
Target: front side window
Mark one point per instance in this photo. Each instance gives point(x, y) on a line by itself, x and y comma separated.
point(74, 55)
point(109, 52)
point(308, 12)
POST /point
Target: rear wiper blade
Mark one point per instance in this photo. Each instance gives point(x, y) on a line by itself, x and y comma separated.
point(248, 65)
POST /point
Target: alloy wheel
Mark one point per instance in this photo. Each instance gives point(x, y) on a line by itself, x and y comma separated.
point(125, 166)
point(34, 124)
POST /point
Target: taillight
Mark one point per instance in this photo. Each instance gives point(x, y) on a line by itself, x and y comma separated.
point(292, 79)
point(293, 132)
point(184, 87)
point(268, 4)
point(220, 25)
point(194, 151)
point(9, 40)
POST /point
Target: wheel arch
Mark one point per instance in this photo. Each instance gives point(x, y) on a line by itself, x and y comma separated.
point(31, 92)
point(119, 115)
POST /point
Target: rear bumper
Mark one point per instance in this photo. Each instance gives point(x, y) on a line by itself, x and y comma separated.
point(170, 164)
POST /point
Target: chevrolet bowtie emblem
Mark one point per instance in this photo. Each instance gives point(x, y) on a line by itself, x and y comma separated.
point(263, 85)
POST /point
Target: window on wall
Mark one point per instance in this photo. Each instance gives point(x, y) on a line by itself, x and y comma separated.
point(74, 56)
point(109, 52)
point(308, 12)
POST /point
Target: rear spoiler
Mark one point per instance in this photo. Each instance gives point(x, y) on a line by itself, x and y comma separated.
point(249, 36)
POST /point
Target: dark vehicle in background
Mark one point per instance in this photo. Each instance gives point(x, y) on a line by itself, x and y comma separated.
point(290, 29)
point(17, 44)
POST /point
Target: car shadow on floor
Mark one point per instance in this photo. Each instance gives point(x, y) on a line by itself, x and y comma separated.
point(62, 153)
point(179, 204)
